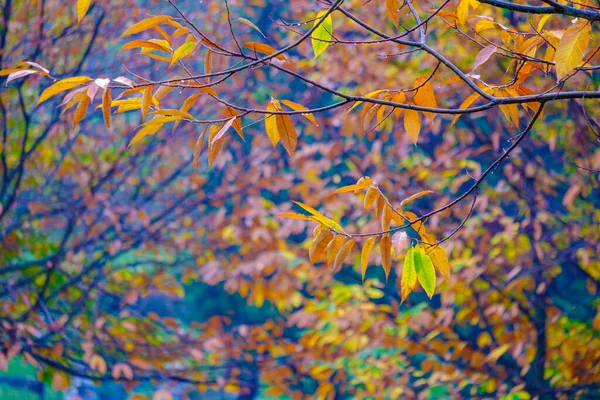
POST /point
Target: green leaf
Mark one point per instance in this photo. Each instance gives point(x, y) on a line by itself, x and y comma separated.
point(425, 271)
point(321, 36)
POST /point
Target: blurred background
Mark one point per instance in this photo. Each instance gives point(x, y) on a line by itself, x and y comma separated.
point(123, 275)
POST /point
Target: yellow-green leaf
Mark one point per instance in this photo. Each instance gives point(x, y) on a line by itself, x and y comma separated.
point(572, 47)
point(425, 271)
point(320, 217)
point(321, 36)
point(409, 275)
point(61, 86)
point(182, 51)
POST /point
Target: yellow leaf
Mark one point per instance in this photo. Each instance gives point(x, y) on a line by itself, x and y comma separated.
point(146, 24)
point(371, 197)
point(182, 51)
point(385, 246)
point(300, 107)
point(425, 97)
point(386, 217)
point(370, 95)
point(364, 255)
point(409, 275)
point(146, 44)
point(172, 112)
point(146, 130)
point(82, 9)
point(572, 47)
point(465, 104)
point(61, 86)
point(497, 353)
point(271, 124)
point(412, 124)
point(319, 245)
point(81, 110)
point(342, 254)
point(287, 133)
point(462, 11)
point(440, 260)
point(399, 98)
point(294, 215)
point(106, 106)
point(333, 248)
point(264, 49)
point(361, 184)
point(146, 101)
point(414, 197)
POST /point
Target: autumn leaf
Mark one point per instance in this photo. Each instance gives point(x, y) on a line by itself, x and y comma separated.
point(342, 254)
point(320, 217)
point(181, 52)
point(300, 107)
point(415, 196)
point(287, 133)
point(146, 24)
point(319, 245)
point(409, 275)
point(385, 246)
point(61, 86)
point(362, 183)
point(412, 124)
point(82, 9)
point(264, 49)
point(106, 100)
point(424, 97)
point(321, 36)
point(425, 271)
point(572, 47)
point(371, 197)
point(251, 25)
point(364, 255)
